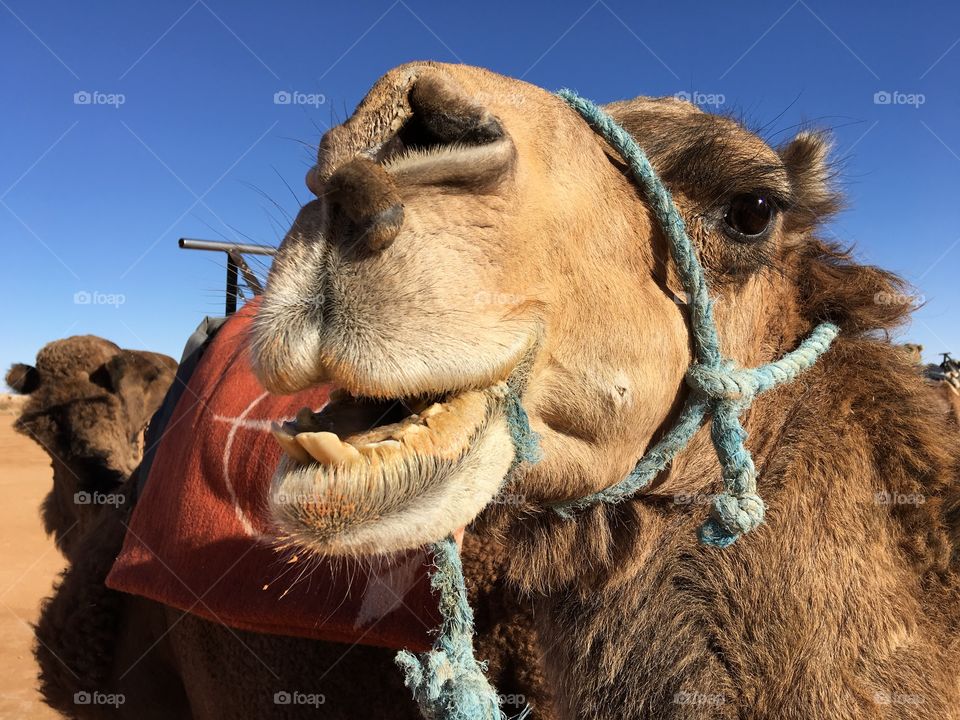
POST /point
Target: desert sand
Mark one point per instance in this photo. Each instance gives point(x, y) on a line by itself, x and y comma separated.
point(29, 564)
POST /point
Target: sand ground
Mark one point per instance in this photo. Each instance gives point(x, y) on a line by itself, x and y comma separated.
point(29, 563)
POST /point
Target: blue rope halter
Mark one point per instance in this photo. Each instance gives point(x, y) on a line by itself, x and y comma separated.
point(448, 682)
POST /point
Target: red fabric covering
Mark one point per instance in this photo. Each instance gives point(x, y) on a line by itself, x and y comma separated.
point(199, 539)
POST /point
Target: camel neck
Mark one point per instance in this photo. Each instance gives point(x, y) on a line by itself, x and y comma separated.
point(82, 487)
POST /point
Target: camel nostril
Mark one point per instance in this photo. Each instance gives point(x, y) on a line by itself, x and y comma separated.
point(365, 210)
point(443, 114)
point(383, 228)
point(314, 182)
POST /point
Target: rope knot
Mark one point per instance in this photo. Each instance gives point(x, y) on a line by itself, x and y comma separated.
point(448, 682)
point(723, 381)
point(731, 517)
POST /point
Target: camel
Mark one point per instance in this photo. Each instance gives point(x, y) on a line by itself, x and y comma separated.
point(87, 402)
point(945, 378)
point(472, 236)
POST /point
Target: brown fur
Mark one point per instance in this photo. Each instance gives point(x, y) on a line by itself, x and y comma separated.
point(88, 405)
point(845, 604)
point(842, 598)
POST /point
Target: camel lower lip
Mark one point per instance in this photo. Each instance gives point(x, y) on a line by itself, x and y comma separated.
point(339, 474)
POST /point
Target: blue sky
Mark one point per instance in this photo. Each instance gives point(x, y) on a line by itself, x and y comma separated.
point(182, 136)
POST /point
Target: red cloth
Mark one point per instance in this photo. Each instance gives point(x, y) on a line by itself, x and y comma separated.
point(199, 538)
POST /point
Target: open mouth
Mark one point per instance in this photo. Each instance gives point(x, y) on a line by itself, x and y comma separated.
point(366, 476)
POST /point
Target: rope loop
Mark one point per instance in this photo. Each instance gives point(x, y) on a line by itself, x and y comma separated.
point(723, 382)
point(720, 388)
point(448, 682)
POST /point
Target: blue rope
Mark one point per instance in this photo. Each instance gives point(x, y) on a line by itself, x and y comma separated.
point(448, 682)
point(718, 387)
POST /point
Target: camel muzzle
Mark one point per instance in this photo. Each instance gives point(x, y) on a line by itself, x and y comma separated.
point(364, 209)
point(403, 115)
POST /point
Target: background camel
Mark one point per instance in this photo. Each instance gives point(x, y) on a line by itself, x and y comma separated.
point(945, 377)
point(461, 241)
point(87, 404)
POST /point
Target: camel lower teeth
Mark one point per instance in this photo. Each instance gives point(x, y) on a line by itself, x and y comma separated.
point(326, 448)
point(305, 443)
point(290, 445)
point(434, 409)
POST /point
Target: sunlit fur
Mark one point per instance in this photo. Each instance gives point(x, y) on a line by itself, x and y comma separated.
point(841, 605)
point(88, 403)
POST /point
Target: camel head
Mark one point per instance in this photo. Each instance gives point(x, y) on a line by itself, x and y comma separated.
point(472, 236)
point(88, 404)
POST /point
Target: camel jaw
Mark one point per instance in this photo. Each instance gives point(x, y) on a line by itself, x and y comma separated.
point(365, 477)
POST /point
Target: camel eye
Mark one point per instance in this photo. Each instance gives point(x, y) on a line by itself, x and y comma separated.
point(748, 216)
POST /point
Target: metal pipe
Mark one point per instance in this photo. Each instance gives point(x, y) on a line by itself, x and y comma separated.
point(234, 252)
point(244, 249)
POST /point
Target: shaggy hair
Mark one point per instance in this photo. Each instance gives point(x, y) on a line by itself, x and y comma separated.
point(88, 405)
point(89, 636)
point(859, 465)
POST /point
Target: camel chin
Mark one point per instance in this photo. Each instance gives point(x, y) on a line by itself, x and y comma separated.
point(368, 477)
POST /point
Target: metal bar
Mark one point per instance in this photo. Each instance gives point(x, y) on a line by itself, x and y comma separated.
point(244, 249)
point(232, 289)
point(235, 261)
point(252, 281)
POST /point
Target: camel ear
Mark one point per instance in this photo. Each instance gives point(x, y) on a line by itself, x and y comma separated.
point(806, 159)
point(141, 379)
point(23, 379)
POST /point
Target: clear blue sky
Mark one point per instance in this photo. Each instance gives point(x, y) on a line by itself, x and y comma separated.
point(94, 196)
